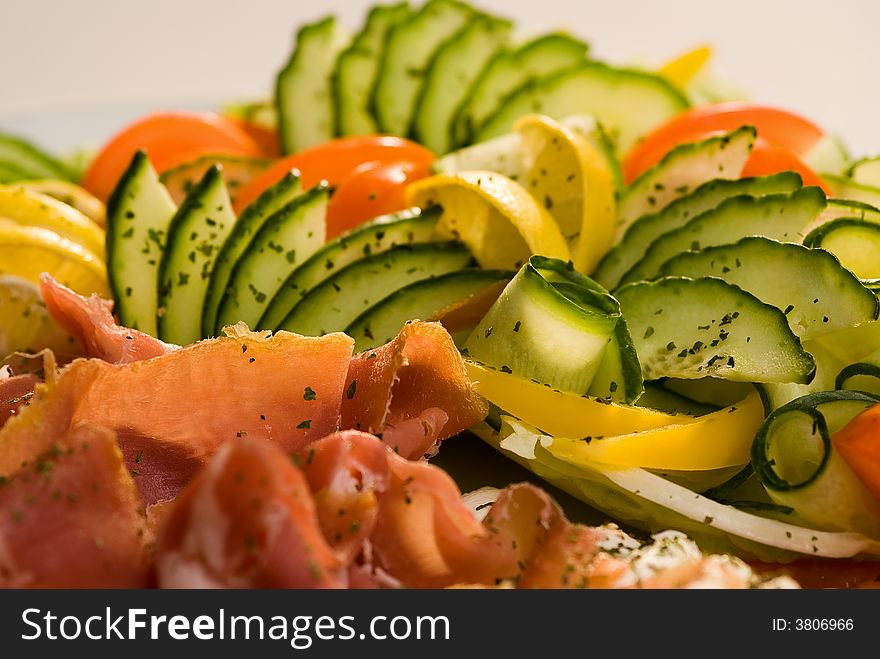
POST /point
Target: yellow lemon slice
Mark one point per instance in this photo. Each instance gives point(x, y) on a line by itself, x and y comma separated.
point(26, 252)
point(683, 69)
point(713, 441)
point(494, 216)
point(72, 195)
point(571, 178)
point(25, 324)
point(564, 414)
point(34, 209)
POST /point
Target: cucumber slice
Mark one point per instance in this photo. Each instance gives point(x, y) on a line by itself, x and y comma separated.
point(627, 102)
point(335, 303)
point(781, 217)
point(195, 235)
point(837, 208)
point(251, 221)
point(357, 67)
point(861, 376)
point(708, 391)
point(828, 155)
point(379, 235)
point(512, 70)
point(776, 394)
point(19, 155)
point(855, 242)
point(816, 294)
point(550, 324)
point(847, 188)
point(10, 173)
point(866, 171)
point(237, 171)
point(408, 51)
point(421, 300)
point(138, 214)
point(657, 397)
point(619, 376)
point(696, 328)
point(684, 168)
point(302, 89)
point(795, 460)
point(451, 73)
point(286, 239)
point(647, 229)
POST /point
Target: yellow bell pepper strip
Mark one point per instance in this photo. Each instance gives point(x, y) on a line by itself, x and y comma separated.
point(72, 195)
point(683, 69)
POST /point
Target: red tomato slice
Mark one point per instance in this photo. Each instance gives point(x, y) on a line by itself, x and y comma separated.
point(779, 128)
point(334, 160)
point(372, 189)
point(170, 139)
point(767, 158)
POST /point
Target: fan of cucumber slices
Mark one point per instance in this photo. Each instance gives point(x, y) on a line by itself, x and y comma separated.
point(678, 350)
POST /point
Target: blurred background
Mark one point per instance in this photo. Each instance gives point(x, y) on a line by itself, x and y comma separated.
point(73, 72)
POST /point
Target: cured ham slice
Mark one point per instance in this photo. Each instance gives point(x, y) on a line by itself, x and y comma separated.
point(71, 517)
point(419, 370)
point(90, 321)
point(173, 411)
point(246, 521)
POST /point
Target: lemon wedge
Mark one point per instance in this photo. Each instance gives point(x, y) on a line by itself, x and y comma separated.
point(25, 324)
point(683, 69)
point(27, 251)
point(494, 216)
point(34, 209)
point(71, 194)
point(573, 181)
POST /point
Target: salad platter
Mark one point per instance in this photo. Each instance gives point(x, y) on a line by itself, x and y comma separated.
point(449, 306)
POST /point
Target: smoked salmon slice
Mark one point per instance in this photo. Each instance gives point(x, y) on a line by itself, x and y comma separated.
point(71, 517)
point(246, 521)
point(417, 372)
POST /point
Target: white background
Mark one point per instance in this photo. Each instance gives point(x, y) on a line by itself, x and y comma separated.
point(72, 70)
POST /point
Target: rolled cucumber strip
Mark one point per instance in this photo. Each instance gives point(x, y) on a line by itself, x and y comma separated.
point(795, 460)
point(550, 324)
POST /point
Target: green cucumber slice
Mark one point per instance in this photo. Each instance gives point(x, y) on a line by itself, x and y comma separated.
point(23, 156)
point(409, 47)
point(814, 291)
point(861, 376)
point(782, 217)
point(237, 171)
point(648, 228)
point(9, 173)
point(855, 242)
point(249, 223)
point(794, 459)
point(837, 208)
point(708, 391)
point(866, 171)
point(682, 170)
point(286, 239)
point(451, 72)
point(335, 303)
point(550, 324)
point(629, 103)
point(846, 188)
point(357, 67)
point(695, 328)
point(657, 397)
point(619, 376)
point(510, 70)
point(139, 212)
point(195, 235)
point(306, 114)
point(421, 300)
point(379, 235)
